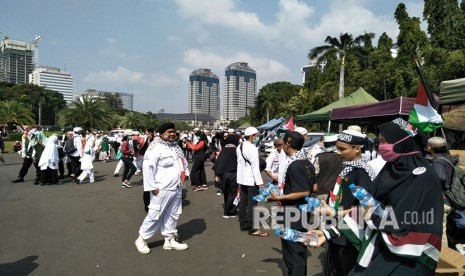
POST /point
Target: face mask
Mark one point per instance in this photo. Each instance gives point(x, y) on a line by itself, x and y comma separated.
point(387, 152)
point(256, 140)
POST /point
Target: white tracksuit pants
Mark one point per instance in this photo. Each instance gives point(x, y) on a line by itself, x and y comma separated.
point(164, 211)
point(86, 173)
point(119, 166)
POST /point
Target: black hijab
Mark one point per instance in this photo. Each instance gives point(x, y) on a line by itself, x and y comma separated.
point(408, 184)
point(227, 160)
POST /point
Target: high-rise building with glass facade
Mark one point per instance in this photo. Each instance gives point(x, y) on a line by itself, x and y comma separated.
point(16, 61)
point(240, 85)
point(204, 93)
point(52, 78)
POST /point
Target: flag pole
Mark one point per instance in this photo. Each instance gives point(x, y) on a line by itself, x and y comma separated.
point(425, 85)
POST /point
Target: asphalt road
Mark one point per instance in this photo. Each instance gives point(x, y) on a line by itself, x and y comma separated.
point(89, 229)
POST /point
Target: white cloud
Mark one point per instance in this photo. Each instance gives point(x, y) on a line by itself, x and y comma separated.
point(161, 79)
point(121, 76)
point(295, 25)
point(224, 14)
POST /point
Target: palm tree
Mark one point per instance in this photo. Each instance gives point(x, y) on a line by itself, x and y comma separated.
point(14, 113)
point(133, 120)
point(341, 48)
point(268, 101)
point(88, 112)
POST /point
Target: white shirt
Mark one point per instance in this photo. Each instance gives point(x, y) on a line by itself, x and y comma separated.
point(246, 174)
point(162, 168)
point(275, 163)
point(78, 145)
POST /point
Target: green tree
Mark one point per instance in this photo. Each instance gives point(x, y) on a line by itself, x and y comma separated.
point(343, 48)
point(12, 112)
point(267, 100)
point(410, 41)
point(446, 23)
point(88, 112)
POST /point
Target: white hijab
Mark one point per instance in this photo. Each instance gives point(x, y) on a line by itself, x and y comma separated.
point(49, 157)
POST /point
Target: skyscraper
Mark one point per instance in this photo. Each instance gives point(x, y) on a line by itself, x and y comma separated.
point(240, 85)
point(54, 79)
point(204, 93)
point(16, 61)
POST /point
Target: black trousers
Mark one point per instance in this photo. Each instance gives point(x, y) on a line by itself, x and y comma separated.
point(229, 187)
point(49, 176)
point(295, 256)
point(146, 199)
point(340, 259)
point(27, 162)
point(246, 205)
point(198, 175)
point(75, 165)
point(129, 168)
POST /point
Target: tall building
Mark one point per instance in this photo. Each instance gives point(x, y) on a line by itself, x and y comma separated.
point(240, 86)
point(126, 98)
point(16, 61)
point(54, 79)
point(204, 93)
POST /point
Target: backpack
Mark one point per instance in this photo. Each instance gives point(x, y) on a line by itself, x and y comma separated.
point(456, 190)
point(69, 147)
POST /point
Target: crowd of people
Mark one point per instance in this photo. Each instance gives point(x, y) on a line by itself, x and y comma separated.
point(401, 168)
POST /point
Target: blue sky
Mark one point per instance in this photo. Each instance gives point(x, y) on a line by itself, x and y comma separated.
point(149, 47)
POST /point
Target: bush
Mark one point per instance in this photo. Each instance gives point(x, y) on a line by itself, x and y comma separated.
point(14, 137)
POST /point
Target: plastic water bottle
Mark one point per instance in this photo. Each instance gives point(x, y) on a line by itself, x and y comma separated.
point(260, 198)
point(366, 199)
point(273, 189)
point(311, 205)
point(297, 236)
point(264, 191)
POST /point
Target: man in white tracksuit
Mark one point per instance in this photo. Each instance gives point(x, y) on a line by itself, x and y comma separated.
point(165, 170)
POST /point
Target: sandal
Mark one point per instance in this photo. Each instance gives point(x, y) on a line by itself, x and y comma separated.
point(259, 233)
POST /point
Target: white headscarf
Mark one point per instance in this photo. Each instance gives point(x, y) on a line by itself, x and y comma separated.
point(49, 157)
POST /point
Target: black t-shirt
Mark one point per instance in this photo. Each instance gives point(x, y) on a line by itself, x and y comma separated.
point(300, 177)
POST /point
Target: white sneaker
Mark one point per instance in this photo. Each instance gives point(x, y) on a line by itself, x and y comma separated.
point(141, 246)
point(172, 243)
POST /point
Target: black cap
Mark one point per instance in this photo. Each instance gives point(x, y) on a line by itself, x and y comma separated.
point(164, 127)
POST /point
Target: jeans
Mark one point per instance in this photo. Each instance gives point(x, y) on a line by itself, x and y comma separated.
point(129, 168)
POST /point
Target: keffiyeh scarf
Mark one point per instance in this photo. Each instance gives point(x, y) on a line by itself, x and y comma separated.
point(348, 166)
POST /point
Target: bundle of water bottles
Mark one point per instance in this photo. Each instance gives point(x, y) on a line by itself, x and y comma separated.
point(366, 199)
point(312, 204)
point(297, 236)
point(265, 192)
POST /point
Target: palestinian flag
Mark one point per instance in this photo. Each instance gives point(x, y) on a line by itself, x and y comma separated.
point(290, 124)
point(425, 248)
point(423, 114)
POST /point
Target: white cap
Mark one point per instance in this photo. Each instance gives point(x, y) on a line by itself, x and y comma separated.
point(231, 130)
point(136, 133)
point(330, 137)
point(196, 129)
point(301, 130)
point(77, 129)
point(355, 127)
point(250, 131)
